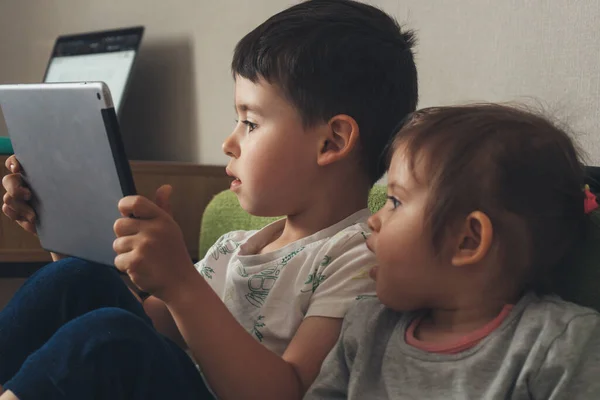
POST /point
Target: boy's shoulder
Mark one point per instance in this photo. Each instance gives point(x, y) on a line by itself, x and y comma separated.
point(339, 247)
point(355, 225)
point(348, 233)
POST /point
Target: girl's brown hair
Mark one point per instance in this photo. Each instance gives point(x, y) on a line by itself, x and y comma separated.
point(510, 163)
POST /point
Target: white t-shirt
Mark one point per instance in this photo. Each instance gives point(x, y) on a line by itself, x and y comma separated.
point(270, 294)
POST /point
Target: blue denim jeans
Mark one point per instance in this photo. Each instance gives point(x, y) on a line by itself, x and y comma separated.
point(75, 331)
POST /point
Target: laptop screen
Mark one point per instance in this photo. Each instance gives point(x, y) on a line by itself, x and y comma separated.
point(100, 56)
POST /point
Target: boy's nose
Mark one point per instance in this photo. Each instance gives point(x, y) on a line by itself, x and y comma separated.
point(374, 223)
point(231, 147)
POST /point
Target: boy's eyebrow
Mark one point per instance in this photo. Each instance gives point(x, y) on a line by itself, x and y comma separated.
point(246, 107)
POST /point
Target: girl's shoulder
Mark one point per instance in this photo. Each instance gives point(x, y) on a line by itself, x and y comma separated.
point(369, 314)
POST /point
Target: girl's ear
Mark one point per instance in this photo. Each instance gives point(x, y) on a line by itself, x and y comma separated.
point(338, 141)
point(474, 240)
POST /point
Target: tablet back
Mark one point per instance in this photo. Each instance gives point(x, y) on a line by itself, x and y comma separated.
point(66, 137)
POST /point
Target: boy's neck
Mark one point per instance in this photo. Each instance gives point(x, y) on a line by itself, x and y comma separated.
point(331, 207)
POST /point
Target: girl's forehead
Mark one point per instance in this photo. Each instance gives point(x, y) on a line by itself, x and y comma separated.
point(407, 168)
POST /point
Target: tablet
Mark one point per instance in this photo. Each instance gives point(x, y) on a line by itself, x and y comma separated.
point(67, 139)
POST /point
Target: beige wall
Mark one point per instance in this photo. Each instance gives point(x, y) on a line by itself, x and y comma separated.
point(545, 52)
point(180, 105)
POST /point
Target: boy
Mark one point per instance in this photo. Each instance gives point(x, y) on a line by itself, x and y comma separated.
point(318, 90)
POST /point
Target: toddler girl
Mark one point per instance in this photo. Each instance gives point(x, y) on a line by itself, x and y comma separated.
point(485, 204)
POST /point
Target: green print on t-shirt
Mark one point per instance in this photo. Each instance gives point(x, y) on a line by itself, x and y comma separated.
point(316, 278)
point(260, 284)
point(223, 246)
point(258, 324)
point(206, 271)
point(365, 296)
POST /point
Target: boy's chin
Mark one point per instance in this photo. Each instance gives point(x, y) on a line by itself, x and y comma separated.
point(256, 209)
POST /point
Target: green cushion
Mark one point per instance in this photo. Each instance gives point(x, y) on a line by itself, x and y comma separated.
point(5, 146)
point(224, 214)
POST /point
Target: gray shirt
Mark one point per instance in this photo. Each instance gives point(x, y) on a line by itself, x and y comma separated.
point(546, 348)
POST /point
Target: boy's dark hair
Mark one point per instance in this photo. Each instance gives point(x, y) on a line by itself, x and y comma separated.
point(333, 57)
point(519, 168)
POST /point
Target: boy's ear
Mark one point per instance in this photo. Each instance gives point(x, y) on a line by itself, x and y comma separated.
point(338, 140)
point(474, 240)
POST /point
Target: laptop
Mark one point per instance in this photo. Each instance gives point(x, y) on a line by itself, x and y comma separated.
point(105, 56)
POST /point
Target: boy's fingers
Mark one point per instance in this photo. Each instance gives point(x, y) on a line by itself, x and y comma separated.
point(126, 226)
point(121, 262)
point(12, 164)
point(163, 198)
point(123, 244)
point(127, 261)
point(139, 207)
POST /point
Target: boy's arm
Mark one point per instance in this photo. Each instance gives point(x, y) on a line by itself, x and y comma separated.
point(162, 319)
point(234, 363)
point(572, 364)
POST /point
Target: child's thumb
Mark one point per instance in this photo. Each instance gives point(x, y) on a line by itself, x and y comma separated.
point(163, 198)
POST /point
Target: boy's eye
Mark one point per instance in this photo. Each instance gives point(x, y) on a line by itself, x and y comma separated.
point(395, 202)
point(251, 125)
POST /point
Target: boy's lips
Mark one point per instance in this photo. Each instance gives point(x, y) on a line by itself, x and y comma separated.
point(236, 181)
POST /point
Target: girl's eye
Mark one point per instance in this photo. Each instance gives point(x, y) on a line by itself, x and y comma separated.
point(251, 125)
point(395, 202)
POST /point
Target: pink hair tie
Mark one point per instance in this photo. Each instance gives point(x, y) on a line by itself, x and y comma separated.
point(590, 203)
